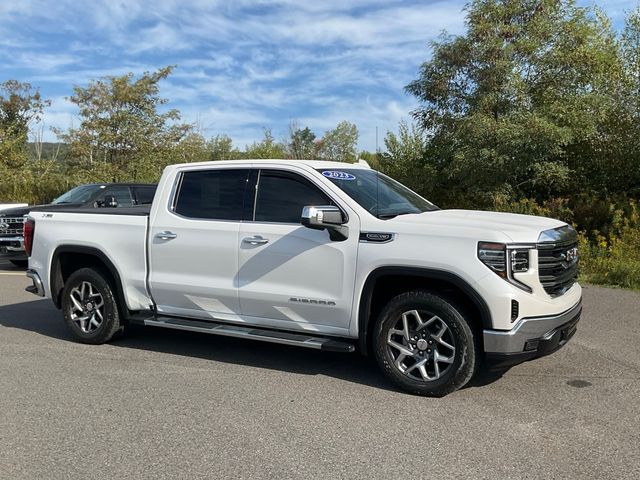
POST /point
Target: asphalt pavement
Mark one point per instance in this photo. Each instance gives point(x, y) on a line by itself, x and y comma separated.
point(170, 404)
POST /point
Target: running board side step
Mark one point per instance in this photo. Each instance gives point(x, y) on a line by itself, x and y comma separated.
point(252, 333)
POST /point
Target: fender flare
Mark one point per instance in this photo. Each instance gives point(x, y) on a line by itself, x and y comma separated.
point(55, 273)
point(364, 309)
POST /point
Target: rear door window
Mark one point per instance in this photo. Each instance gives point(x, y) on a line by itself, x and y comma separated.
point(212, 194)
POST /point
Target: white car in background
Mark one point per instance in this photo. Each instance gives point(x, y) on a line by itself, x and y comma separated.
point(4, 206)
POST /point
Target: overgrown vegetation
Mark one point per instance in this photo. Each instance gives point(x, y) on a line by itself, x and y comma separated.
point(534, 109)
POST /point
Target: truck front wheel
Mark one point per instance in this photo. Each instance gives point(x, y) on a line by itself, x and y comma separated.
point(89, 307)
point(424, 345)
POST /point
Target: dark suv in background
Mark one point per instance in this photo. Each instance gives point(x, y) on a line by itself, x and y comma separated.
point(94, 195)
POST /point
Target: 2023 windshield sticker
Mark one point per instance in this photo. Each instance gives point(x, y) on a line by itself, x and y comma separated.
point(336, 175)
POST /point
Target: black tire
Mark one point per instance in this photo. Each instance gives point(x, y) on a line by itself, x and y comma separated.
point(110, 323)
point(20, 263)
point(463, 357)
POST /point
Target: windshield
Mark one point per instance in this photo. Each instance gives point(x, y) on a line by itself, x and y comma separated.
point(79, 194)
point(380, 195)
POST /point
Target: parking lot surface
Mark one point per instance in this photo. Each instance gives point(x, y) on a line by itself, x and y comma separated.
point(169, 404)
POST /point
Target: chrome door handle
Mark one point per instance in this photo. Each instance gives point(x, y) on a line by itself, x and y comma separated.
point(255, 240)
point(166, 235)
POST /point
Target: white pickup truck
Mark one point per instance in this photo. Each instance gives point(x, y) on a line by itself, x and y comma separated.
point(322, 255)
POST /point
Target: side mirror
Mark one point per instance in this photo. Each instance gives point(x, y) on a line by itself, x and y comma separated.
point(325, 217)
point(110, 201)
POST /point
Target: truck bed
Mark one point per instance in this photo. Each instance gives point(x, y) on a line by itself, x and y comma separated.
point(120, 234)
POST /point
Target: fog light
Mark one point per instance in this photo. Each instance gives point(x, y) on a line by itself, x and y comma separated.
point(515, 310)
point(531, 345)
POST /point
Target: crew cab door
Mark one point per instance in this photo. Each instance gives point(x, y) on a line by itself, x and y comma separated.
point(193, 245)
point(292, 276)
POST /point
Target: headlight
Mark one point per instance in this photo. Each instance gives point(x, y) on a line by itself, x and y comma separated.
point(495, 256)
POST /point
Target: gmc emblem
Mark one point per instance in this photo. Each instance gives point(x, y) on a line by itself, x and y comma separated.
point(571, 256)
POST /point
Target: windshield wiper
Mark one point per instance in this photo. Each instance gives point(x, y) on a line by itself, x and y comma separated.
point(387, 216)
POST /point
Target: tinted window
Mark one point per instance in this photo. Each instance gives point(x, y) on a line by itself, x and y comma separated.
point(144, 195)
point(379, 194)
point(212, 194)
point(282, 195)
point(121, 194)
point(79, 194)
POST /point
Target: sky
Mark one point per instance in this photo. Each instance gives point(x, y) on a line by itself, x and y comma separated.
point(241, 66)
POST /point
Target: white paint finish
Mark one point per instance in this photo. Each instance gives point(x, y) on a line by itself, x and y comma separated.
point(297, 263)
point(194, 272)
point(121, 238)
point(519, 228)
point(498, 295)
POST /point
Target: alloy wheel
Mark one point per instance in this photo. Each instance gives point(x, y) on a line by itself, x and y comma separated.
point(87, 307)
point(421, 345)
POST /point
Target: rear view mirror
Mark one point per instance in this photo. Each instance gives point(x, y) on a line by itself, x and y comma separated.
point(326, 217)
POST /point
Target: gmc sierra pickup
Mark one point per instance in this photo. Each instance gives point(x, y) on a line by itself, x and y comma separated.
point(323, 255)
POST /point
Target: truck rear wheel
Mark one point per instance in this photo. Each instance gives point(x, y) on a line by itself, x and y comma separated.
point(424, 345)
point(89, 307)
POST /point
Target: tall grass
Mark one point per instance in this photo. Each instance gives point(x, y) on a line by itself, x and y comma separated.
point(613, 259)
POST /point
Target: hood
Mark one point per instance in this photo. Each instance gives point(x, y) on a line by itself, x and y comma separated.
point(21, 211)
point(517, 228)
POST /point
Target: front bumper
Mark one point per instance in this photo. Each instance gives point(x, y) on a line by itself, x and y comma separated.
point(530, 338)
point(13, 248)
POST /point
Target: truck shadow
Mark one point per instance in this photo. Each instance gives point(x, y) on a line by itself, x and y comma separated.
point(41, 317)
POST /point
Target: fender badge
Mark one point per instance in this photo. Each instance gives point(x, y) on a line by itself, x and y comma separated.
point(376, 237)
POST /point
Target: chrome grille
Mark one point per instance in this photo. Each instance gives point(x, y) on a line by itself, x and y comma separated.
point(11, 226)
point(557, 266)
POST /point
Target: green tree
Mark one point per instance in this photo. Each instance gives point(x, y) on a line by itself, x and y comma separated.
point(404, 158)
point(302, 143)
point(266, 148)
point(121, 123)
point(339, 144)
point(221, 148)
point(20, 106)
point(619, 145)
point(512, 106)
point(191, 148)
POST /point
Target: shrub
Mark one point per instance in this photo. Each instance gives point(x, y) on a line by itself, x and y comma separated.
point(614, 259)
